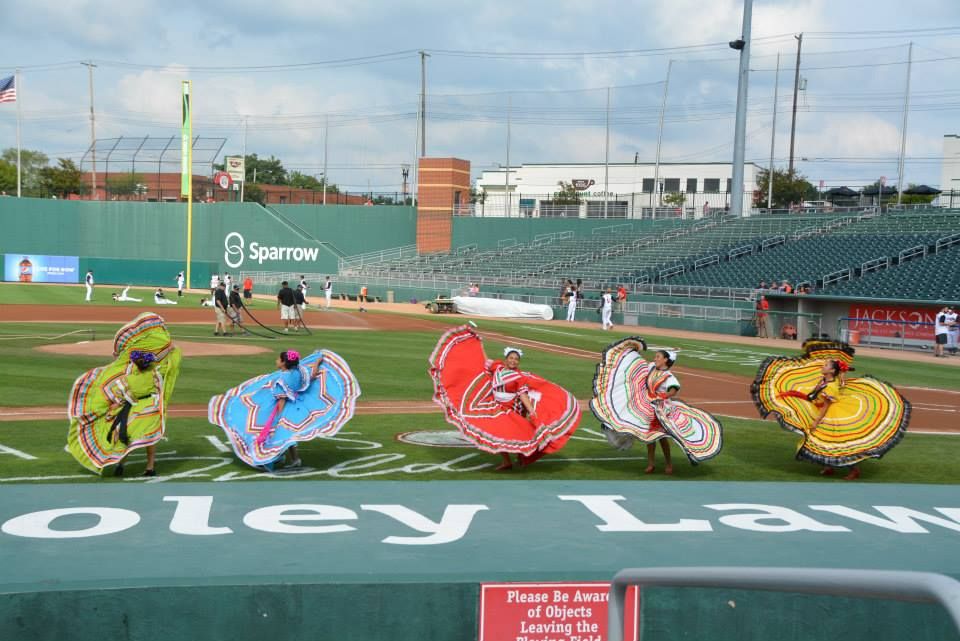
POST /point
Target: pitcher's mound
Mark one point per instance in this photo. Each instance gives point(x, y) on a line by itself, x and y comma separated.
point(223, 347)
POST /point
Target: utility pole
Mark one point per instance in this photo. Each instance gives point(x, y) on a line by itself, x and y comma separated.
point(773, 136)
point(796, 89)
point(740, 128)
point(656, 164)
point(93, 133)
point(606, 161)
point(243, 183)
point(326, 137)
point(506, 174)
point(423, 103)
point(903, 132)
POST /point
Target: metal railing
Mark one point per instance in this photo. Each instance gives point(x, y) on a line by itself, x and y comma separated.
point(923, 587)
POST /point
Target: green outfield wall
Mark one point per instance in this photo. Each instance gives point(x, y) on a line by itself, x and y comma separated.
point(146, 243)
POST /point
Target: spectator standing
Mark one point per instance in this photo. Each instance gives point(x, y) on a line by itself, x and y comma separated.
point(760, 317)
point(621, 298)
point(941, 332)
point(954, 331)
point(362, 297)
point(220, 305)
point(286, 302)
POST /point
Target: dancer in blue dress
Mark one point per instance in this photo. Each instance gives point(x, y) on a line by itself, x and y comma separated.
point(265, 417)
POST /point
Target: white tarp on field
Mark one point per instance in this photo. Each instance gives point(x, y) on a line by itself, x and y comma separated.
point(501, 308)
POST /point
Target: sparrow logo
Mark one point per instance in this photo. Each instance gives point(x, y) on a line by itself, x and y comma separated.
point(234, 245)
point(233, 250)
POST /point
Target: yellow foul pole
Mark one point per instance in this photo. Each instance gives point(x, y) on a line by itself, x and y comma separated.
point(186, 167)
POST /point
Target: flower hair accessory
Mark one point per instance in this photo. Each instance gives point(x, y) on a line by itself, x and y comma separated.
point(507, 350)
point(293, 355)
point(143, 357)
point(843, 367)
point(672, 355)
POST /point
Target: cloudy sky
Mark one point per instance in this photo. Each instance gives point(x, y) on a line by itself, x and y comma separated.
point(289, 67)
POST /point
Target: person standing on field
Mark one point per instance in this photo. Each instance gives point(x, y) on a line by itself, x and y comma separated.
point(572, 296)
point(606, 309)
point(180, 282)
point(328, 291)
point(286, 303)
point(89, 283)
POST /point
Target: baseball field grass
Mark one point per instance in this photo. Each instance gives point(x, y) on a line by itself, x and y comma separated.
point(391, 367)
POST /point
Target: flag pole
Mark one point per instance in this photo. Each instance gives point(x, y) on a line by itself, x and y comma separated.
point(16, 86)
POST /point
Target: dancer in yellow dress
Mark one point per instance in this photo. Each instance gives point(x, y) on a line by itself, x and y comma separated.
point(842, 420)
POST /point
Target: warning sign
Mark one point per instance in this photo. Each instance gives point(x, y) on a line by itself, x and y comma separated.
point(551, 612)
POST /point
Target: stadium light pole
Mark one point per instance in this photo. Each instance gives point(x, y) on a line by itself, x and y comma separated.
point(773, 136)
point(903, 131)
point(423, 103)
point(93, 133)
point(506, 173)
point(740, 128)
point(656, 164)
point(326, 137)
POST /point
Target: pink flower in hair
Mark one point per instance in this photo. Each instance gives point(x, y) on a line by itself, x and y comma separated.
point(293, 355)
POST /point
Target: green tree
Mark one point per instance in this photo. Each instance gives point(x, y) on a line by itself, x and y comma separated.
point(31, 164)
point(268, 171)
point(8, 178)
point(568, 194)
point(125, 185)
point(477, 195)
point(64, 179)
point(788, 188)
point(675, 199)
point(304, 181)
point(252, 193)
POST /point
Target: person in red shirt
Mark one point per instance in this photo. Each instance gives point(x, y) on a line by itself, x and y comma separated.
point(621, 297)
point(248, 288)
point(760, 317)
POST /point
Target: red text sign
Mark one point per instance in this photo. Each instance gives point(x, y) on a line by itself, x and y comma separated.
point(894, 322)
point(555, 611)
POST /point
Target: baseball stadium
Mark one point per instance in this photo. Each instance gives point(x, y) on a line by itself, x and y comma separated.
point(554, 401)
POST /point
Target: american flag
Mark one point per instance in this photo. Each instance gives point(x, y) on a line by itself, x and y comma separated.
point(8, 89)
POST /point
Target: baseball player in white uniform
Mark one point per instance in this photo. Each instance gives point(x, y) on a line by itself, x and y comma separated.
point(228, 281)
point(572, 304)
point(124, 298)
point(328, 291)
point(214, 282)
point(606, 309)
point(89, 283)
point(180, 282)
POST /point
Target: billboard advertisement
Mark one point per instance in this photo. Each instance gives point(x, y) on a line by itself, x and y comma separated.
point(38, 268)
point(893, 322)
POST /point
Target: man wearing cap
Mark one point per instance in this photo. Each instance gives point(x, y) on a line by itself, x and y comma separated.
point(941, 330)
point(236, 306)
point(220, 305)
point(286, 302)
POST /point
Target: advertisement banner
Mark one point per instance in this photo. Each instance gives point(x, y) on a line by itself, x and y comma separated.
point(235, 166)
point(558, 611)
point(893, 322)
point(37, 268)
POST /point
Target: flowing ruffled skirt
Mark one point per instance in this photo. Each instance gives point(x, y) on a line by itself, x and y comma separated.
point(628, 413)
point(464, 389)
point(868, 419)
point(319, 411)
point(99, 395)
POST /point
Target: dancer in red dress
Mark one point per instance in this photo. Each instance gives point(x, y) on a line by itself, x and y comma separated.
point(496, 405)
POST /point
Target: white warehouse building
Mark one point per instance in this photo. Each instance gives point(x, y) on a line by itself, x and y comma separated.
point(618, 190)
